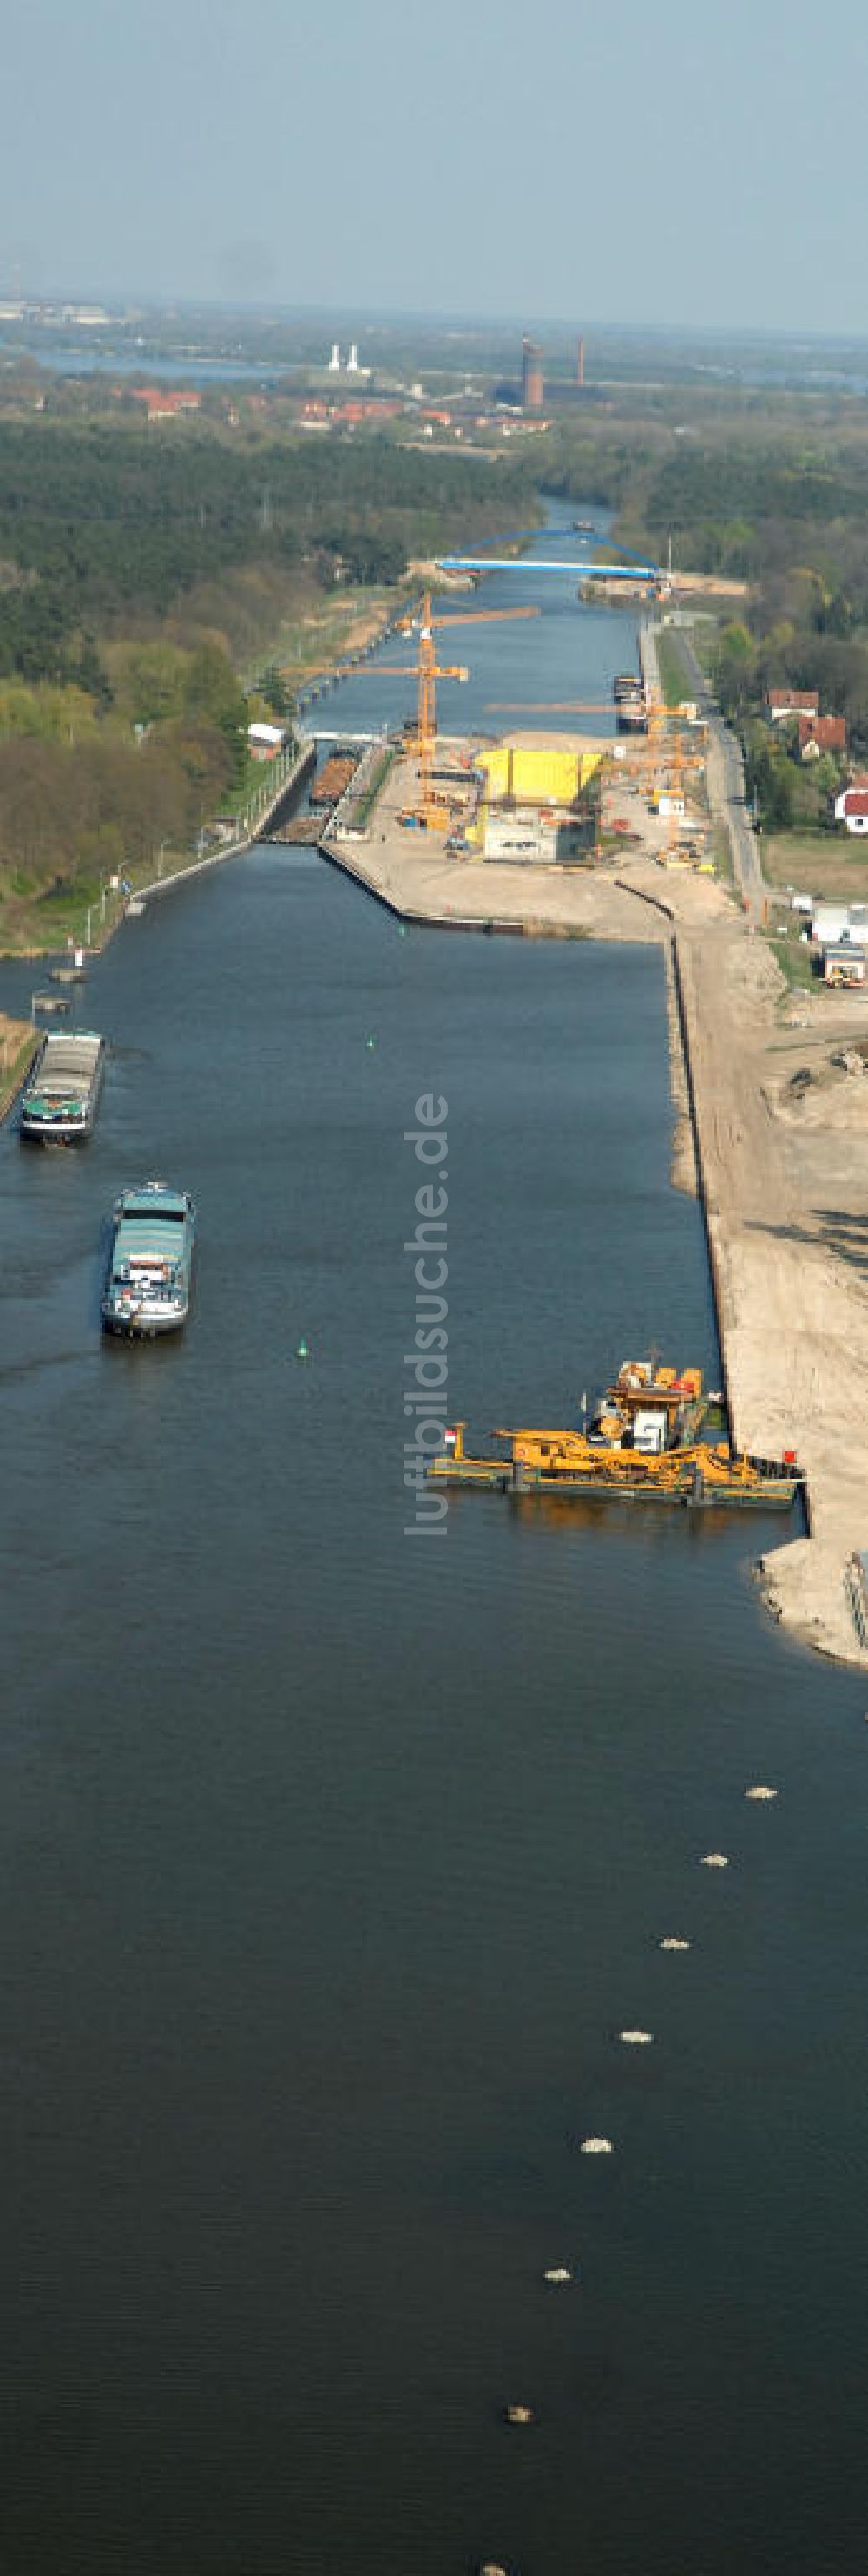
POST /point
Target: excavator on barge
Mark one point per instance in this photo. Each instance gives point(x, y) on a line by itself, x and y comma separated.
point(641, 1444)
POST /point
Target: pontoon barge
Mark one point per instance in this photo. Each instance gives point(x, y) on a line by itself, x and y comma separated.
point(642, 1446)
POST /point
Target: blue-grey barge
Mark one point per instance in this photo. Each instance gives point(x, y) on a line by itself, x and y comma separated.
point(147, 1289)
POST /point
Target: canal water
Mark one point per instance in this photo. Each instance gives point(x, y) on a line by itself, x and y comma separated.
point(551, 672)
point(333, 1859)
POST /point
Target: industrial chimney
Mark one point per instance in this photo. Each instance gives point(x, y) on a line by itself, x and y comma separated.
point(580, 363)
point(532, 379)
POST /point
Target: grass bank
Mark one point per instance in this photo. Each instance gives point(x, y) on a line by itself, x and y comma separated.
point(18, 1045)
point(817, 863)
point(674, 678)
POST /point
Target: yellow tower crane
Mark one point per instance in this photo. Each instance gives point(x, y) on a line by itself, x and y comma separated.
point(428, 671)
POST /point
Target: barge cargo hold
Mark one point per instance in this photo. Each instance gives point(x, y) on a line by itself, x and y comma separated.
point(147, 1289)
point(59, 1103)
point(642, 1447)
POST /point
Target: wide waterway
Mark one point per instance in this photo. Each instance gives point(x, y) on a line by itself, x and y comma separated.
point(332, 1860)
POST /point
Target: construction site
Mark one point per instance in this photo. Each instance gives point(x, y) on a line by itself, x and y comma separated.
point(527, 795)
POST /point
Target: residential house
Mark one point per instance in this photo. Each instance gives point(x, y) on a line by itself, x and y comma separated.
point(821, 733)
point(781, 703)
point(165, 406)
point(851, 808)
point(265, 740)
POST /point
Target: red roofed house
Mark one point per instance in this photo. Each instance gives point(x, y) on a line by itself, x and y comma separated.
point(792, 702)
point(165, 406)
point(821, 733)
point(852, 808)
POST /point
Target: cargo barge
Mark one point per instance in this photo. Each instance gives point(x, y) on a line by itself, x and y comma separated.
point(147, 1289)
point(631, 711)
point(642, 1445)
point(334, 779)
point(60, 1099)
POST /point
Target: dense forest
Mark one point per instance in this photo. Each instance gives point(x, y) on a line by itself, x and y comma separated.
point(103, 527)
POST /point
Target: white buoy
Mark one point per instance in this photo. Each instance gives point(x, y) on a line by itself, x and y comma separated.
point(714, 1860)
point(670, 1941)
point(636, 2038)
point(557, 2274)
point(761, 1795)
point(597, 2147)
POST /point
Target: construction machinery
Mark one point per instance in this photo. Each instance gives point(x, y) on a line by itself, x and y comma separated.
point(642, 1444)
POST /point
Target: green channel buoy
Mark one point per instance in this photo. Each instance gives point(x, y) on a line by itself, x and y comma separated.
point(371, 1040)
point(302, 1349)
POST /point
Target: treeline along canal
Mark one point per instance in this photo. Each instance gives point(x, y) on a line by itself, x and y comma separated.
point(333, 1861)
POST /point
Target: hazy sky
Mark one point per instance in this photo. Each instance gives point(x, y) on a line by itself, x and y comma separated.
point(680, 165)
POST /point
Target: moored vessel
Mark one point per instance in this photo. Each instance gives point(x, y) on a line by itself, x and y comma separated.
point(147, 1288)
point(642, 1445)
point(628, 691)
point(59, 1102)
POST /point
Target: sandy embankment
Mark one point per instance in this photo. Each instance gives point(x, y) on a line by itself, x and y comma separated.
point(785, 1173)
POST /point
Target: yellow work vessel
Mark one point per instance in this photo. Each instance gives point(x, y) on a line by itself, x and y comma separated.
point(641, 1444)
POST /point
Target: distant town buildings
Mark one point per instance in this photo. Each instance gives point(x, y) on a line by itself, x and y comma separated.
point(161, 405)
point(86, 317)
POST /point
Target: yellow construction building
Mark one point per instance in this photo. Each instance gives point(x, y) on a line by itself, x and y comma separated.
point(536, 774)
point(540, 768)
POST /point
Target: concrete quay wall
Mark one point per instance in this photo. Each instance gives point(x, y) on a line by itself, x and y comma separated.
point(302, 768)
